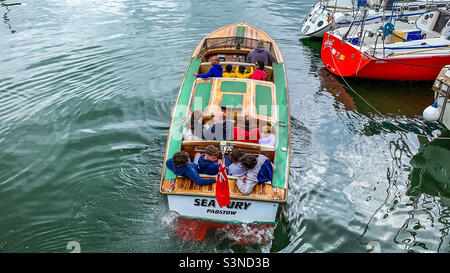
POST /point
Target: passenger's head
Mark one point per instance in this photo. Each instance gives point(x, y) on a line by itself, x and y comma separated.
point(181, 158)
point(261, 42)
point(242, 69)
point(236, 155)
point(248, 161)
point(228, 68)
point(219, 117)
point(196, 117)
point(214, 60)
point(211, 153)
point(248, 122)
point(260, 65)
point(265, 131)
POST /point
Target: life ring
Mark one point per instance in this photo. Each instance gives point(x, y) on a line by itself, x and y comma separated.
point(388, 29)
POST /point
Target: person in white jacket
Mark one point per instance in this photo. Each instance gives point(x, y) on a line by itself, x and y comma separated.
point(259, 170)
point(193, 129)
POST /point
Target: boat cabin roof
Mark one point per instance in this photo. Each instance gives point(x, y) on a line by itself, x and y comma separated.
point(435, 21)
point(240, 96)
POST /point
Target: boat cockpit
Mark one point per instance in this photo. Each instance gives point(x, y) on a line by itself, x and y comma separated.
point(234, 51)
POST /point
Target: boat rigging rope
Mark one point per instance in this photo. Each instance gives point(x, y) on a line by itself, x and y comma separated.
point(378, 112)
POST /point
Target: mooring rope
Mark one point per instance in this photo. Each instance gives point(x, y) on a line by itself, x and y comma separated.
point(378, 112)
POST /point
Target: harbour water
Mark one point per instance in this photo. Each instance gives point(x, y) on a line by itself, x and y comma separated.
point(87, 88)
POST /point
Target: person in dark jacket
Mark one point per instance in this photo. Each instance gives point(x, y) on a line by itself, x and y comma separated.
point(180, 165)
point(222, 129)
point(208, 161)
point(216, 69)
point(260, 53)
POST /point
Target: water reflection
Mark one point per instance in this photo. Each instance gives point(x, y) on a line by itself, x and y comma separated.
point(329, 83)
point(429, 194)
point(431, 168)
point(402, 201)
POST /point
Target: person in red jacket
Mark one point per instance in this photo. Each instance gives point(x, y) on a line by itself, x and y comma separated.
point(259, 74)
point(248, 133)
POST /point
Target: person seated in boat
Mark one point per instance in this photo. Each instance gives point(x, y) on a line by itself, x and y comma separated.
point(236, 169)
point(260, 53)
point(267, 138)
point(193, 129)
point(229, 72)
point(241, 72)
point(259, 73)
point(208, 161)
point(247, 133)
point(180, 164)
point(222, 129)
point(259, 170)
point(216, 69)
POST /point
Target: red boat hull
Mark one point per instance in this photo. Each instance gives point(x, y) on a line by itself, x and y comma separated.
point(347, 61)
point(196, 230)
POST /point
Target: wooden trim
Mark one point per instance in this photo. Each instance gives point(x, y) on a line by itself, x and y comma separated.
point(262, 192)
point(255, 33)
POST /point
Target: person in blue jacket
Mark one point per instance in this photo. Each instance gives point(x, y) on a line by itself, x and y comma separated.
point(208, 161)
point(216, 69)
point(181, 165)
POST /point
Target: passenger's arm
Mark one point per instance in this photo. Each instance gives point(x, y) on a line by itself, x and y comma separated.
point(207, 75)
point(271, 57)
point(249, 56)
point(201, 181)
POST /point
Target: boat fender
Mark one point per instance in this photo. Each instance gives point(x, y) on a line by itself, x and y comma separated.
point(388, 29)
point(431, 113)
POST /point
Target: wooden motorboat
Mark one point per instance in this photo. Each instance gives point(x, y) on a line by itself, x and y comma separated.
point(267, 102)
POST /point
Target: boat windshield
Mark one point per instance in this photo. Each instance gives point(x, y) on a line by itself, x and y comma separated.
point(232, 43)
point(441, 22)
point(340, 3)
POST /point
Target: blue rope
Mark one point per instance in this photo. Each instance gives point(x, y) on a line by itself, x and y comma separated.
point(389, 26)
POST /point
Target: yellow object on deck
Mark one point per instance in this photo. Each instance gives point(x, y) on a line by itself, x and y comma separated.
point(398, 36)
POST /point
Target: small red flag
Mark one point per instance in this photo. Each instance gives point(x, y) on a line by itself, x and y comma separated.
point(222, 188)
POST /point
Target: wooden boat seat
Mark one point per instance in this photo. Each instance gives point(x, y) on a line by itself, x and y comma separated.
point(204, 68)
point(185, 186)
point(194, 146)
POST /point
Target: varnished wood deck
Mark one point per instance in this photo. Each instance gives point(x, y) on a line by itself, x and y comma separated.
point(184, 186)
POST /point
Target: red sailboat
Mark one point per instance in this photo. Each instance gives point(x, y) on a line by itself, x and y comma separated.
point(415, 52)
